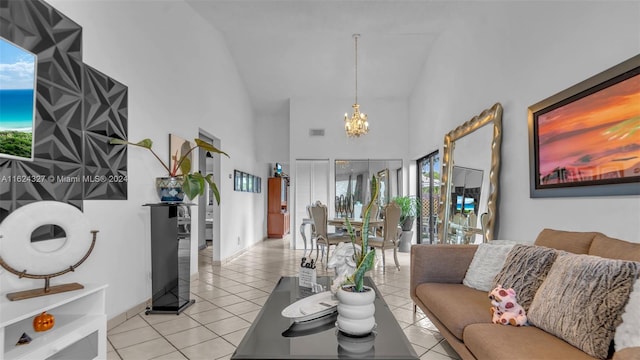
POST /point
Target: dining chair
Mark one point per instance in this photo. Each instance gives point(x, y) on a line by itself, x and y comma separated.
point(471, 226)
point(390, 233)
point(313, 226)
point(458, 218)
point(319, 215)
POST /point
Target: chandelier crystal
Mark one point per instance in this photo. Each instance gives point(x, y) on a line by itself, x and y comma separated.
point(357, 124)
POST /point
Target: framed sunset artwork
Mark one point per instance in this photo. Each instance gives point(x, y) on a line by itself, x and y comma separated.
point(585, 140)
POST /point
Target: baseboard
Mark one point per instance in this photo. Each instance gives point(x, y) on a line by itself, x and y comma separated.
point(230, 258)
point(120, 318)
point(235, 255)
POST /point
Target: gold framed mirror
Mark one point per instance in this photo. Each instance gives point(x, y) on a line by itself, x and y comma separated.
point(467, 209)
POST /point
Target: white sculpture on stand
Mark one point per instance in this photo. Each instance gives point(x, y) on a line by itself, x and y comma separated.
point(342, 260)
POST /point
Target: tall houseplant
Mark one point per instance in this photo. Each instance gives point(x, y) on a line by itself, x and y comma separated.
point(366, 256)
point(356, 308)
point(191, 184)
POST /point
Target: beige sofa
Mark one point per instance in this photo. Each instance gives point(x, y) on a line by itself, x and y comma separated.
point(462, 313)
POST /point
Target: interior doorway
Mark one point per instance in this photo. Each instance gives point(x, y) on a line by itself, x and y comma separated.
point(208, 209)
point(311, 184)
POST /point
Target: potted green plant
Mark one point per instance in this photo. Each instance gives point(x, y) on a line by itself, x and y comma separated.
point(356, 309)
point(409, 210)
point(173, 187)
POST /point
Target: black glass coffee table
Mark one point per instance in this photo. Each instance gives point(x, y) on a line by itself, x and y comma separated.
point(272, 336)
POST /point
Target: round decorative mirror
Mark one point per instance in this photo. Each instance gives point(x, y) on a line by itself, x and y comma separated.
point(42, 240)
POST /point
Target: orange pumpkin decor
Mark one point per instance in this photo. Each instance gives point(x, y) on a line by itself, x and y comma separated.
point(43, 322)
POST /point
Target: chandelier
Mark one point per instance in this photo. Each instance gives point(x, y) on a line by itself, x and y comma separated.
point(356, 125)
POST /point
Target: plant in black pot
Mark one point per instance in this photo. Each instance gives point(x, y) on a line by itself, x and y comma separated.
point(409, 210)
point(174, 186)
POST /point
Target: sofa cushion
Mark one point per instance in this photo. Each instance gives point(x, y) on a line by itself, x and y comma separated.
point(491, 342)
point(485, 265)
point(611, 248)
point(581, 300)
point(572, 241)
point(524, 270)
point(632, 353)
point(628, 333)
point(455, 305)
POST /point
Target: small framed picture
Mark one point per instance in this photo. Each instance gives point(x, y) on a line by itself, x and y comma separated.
point(245, 180)
point(250, 183)
point(237, 180)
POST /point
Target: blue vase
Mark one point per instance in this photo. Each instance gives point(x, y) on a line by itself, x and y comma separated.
point(170, 189)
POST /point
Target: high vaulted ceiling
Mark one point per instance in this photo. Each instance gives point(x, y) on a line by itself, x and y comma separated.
point(305, 48)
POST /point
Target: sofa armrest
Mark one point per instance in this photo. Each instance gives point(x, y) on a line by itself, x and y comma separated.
point(630, 353)
point(439, 264)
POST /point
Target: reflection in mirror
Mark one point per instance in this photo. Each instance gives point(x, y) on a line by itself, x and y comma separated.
point(47, 232)
point(471, 146)
point(466, 190)
point(48, 238)
point(385, 191)
point(351, 184)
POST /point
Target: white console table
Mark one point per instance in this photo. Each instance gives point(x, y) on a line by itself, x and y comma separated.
point(80, 330)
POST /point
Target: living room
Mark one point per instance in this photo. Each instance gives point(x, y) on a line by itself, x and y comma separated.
point(183, 76)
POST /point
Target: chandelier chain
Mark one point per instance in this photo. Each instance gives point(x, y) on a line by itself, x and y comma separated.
point(356, 57)
point(357, 124)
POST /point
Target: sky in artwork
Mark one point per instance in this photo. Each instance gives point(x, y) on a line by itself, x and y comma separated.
point(593, 132)
point(17, 67)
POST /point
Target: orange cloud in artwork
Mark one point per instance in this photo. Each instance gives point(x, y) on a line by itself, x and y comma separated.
point(593, 138)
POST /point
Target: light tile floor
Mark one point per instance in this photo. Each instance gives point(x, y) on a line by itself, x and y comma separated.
point(229, 297)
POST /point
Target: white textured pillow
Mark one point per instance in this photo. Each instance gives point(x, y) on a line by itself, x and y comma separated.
point(628, 333)
point(502, 242)
point(485, 265)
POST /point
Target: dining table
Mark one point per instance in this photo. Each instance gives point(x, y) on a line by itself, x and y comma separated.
point(356, 224)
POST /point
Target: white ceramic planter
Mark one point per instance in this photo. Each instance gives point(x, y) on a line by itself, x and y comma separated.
point(356, 311)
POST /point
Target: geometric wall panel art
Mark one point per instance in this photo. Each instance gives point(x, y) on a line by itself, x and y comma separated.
point(105, 116)
point(78, 109)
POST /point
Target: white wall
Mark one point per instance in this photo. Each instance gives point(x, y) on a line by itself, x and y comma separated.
point(181, 77)
point(518, 54)
point(272, 138)
point(387, 137)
